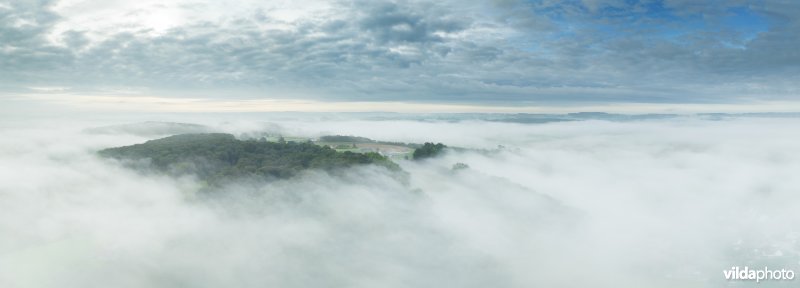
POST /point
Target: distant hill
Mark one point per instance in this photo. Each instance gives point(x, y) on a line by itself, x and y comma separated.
point(150, 128)
point(218, 157)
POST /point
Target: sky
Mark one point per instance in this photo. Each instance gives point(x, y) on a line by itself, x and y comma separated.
point(466, 55)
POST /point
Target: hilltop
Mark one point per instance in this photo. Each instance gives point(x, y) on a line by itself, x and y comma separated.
point(218, 157)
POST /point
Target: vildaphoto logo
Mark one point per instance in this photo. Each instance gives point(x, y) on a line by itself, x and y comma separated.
point(736, 273)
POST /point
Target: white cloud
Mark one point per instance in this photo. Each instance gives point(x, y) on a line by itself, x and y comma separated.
point(103, 19)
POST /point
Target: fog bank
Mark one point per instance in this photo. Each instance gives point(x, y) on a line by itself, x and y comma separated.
point(657, 203)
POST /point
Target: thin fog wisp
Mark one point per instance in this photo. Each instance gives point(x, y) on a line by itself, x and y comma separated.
point(660, 203)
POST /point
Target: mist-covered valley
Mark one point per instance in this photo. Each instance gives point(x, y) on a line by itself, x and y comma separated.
point(598, 202)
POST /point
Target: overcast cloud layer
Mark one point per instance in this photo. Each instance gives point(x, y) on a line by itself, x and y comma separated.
point(572, 204)
point(503, 51)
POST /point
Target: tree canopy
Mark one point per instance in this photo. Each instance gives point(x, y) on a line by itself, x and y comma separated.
point(216, 156)
point(428, 150)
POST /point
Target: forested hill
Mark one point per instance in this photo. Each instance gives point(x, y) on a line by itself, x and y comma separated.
point(218, 157)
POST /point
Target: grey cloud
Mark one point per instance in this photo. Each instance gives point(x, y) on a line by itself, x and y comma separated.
point(423, 51)
point(391, 22)
point(24, 51)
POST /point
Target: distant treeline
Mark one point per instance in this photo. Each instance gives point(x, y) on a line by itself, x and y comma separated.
point(357, 139)
point(348, 139)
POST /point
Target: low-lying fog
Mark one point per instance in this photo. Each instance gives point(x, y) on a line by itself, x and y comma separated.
point(656, 203)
